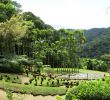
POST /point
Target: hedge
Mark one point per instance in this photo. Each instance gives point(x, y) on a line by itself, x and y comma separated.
point(93, 90)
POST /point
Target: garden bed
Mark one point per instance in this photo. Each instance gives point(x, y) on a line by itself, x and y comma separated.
point(34, 90)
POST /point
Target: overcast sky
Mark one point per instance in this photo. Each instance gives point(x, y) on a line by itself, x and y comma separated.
point(75, 14)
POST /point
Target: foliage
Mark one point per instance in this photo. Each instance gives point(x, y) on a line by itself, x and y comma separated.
point(93, 64)
point(59, 98)
point(97, 42)
point(10, 32)
point(9, 94)
point(12, 64)
point(27, 34)
point(105, 57)
point(37, 22)
point(8, 9)
point(93, 90)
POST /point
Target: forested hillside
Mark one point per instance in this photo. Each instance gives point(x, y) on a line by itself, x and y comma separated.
point(26, 36)
point(97, 42)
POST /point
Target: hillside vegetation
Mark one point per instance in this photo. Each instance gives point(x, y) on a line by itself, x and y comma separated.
point(97, 42)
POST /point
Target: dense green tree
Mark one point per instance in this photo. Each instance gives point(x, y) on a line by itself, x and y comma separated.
point(10, 32)
point(106, 58)
point(71, 43)
point(27, 34)
point(37, 22)
point(8, 8)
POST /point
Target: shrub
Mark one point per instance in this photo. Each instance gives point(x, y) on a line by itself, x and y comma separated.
point(35, 84)
point(59, 98)
point(10, 67)
point(26, 83)
point(1, 77)
point(9, 94)
point(94, 64)
point(94, 90)
point(13, 64)
point(30, 81)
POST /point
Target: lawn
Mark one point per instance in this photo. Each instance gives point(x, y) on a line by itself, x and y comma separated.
point(82, 70)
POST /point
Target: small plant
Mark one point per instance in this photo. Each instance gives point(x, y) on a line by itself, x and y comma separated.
point(14, 78)
point(41, 82)
point(59, 98)
point(47, 83)
point(9, 94)
point(26, 83)
point(14, 81)
point(77, 83)
point(53, 84)
point(5, 75)
point(35, 84)
point(42, 78)
point(103, 79)
point(27, 72)
point(35, 80)
point(34, 75)
point(58, 82)
point(17, 77)
point(1, 77)
point(30, 81)
point(8, 78)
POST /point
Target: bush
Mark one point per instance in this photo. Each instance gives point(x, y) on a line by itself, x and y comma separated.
point(30, 81)
point(13, 64)
point(11, 67)
point(1, 77)
point(95, 90)
point(59, 98)
point(94, 64)
point(9, 94)
point(26, 83)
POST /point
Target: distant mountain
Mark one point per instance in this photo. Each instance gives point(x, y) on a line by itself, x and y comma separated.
point(92, 33)
point(97, 42)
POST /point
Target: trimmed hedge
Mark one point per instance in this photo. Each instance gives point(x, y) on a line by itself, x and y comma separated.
point(94, 90)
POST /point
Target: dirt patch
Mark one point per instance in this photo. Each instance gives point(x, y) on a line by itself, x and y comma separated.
point(25, 96)
point(3, 95)
point(31, 97)
point(24, 79)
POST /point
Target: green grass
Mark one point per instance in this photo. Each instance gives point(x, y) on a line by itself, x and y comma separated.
point(82, 71)
point(34, 90)
point(92, 71)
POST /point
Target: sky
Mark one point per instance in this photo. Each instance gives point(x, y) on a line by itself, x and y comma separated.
point(72, 14)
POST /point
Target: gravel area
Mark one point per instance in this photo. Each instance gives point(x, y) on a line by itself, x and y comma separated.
point(82, 76)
